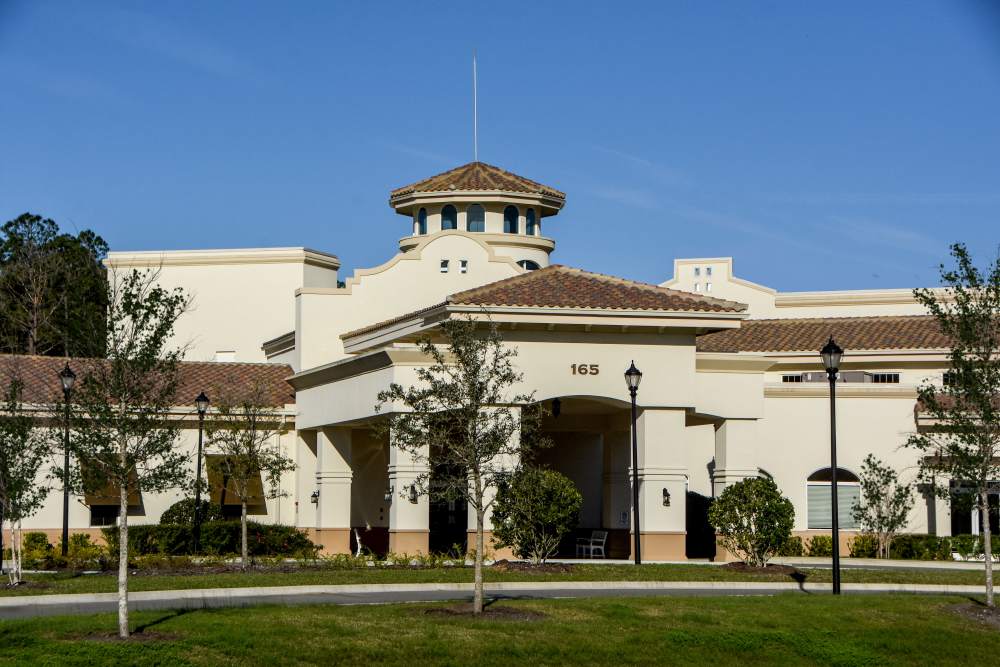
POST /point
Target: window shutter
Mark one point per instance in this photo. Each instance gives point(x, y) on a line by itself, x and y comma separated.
point(820, 505)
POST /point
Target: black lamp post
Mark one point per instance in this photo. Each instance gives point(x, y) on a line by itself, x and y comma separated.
point(633, 376)
point(832, 354)
point(201, 402)
point(66, 378)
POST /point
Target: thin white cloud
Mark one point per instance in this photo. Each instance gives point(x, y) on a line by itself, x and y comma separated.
point(867, 231)
point(654, 170)
point(421, 153)
point(631, 197)
point(64, 83)
point(886, 198)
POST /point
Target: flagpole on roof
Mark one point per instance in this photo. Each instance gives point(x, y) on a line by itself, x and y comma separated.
point(475, 110)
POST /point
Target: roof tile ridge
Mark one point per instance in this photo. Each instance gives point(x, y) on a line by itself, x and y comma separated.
point(521, 277)
point(657, 288)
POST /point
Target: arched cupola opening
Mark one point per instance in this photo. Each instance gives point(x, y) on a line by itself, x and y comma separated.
point(531, 225)
point(510, 220)
point(477, 218)
point(449, 217)
point(422, 221)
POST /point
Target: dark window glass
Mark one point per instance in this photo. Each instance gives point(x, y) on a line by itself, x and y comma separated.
point(510, 220)
point(531, 227)
point(449, 217)
point(477, 218)
point(422, 221)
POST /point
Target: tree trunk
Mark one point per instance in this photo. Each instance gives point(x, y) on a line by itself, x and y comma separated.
point(123, 562)
point(984, 515)
point(477, 596)
point(243, 535)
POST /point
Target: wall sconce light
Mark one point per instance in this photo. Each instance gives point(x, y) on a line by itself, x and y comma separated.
point(413, 493)
point(314, 497)
point(388, 493)
point(556, 408)
point(666, 497)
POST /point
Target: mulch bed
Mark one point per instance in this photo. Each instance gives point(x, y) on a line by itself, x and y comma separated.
point(769, 570)
point(491, 612)
point(979, 613)
point(136, 637)
point(529, 568)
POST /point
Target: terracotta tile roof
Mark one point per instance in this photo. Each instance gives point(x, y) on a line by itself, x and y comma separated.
point(41, 380)
point(478, 176)
point(559, 286)
point(909, 332)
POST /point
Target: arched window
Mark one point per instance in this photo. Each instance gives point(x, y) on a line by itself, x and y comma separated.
point(820, 498)
point(531, 229)
point(477, 218)
point(422, 221)
point(510, 220)
point(528, 265)
point(449, 218)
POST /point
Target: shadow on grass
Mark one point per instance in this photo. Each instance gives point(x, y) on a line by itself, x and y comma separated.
point(176, 613)
point(800, 579)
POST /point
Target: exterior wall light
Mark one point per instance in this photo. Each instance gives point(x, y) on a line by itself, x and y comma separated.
point(666, 497)
point(314, 497)
point(556, 408)
point(388, 493)
point(413, 493)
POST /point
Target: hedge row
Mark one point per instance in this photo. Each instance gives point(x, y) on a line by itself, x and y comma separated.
point(905, 546)
point(218, 538)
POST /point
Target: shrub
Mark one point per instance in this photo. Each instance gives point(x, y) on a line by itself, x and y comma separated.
point(182, 513)
point(792, 548)
point(36, 552)
point(218, 538)
point(753, 519)
point(921, 547)
point(967, 546)
point(820, 545)
point(865, 545)
point(533, 511)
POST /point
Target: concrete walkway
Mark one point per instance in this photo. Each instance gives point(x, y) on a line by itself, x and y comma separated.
point(28, 606)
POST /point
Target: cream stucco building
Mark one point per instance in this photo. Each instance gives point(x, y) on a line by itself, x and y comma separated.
point(732, 383)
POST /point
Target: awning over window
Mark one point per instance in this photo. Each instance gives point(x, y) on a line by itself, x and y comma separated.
point(109, 494)
point(222, 489)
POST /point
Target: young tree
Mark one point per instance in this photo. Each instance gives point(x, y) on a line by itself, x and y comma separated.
point(964, 444)
point(23, 452)
point(885, 503)
point(534, 510)
point(53, 289)
point(464, 416)
point(753, 519)
point(244, 429)
point(125, 434)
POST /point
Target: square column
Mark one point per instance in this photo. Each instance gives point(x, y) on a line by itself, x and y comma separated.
point(333, 482)
point(735, 453)
point(409, 522)
point(616, 508)
point(662, 484)
point(507, 461)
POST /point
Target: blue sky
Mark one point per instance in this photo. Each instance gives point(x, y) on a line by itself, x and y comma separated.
point(823, 145)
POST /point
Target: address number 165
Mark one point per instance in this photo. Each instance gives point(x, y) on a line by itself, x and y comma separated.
point(586, 369)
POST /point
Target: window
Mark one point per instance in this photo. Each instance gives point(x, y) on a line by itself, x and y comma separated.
point(792, 378)
point(477, 218)
point(949, 379)
point(820, 501)
point(510, 220)
point(463, 266)
point(104, 515)
point(528, 265)
point(697, 271)
point(697, 287)
point(449, 217)
point(708, 287)
point(444, 266)
point(708, 272)
point(422, 221)
point(885, 378)
point(225, 355)
point(531, 228)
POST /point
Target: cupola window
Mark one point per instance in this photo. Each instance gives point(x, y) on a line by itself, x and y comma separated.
point(477, 218)
point(422, 221)
point(510, 220)
point(528, 265)
point(449, 218)
point(531, 229)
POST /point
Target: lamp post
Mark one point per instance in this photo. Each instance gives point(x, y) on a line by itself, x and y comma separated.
point(66, 378)
point(831, 355)
point(201, 402)
point(633, 376)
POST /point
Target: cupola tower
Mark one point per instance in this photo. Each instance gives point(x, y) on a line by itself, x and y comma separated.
point(499, 208)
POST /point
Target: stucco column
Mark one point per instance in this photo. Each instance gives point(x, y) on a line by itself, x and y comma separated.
point(662, 484)
point(409, 521)
point(735, 453)
point(333, 482)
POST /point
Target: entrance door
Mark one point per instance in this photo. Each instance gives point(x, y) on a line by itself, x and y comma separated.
point(448, 524)
point(700, 541)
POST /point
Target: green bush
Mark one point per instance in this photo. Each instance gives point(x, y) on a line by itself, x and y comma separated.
point(533, 511)
point(36, 552)
point(920, 547)
point(753, 519)
point(182, 513)
point(967, 546)
point(864, 545)
point(792, 548)
point(219, 538)
point(820, 545)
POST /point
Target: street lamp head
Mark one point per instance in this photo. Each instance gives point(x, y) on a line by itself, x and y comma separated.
point(201, 403)
point(67, 378)
point(633, 376)
point(831, 354)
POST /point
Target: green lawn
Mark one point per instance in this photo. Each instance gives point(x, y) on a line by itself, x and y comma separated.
point(106, 583)
point(784, 629)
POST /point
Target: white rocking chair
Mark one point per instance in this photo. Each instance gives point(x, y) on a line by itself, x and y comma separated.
point(593, 545)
